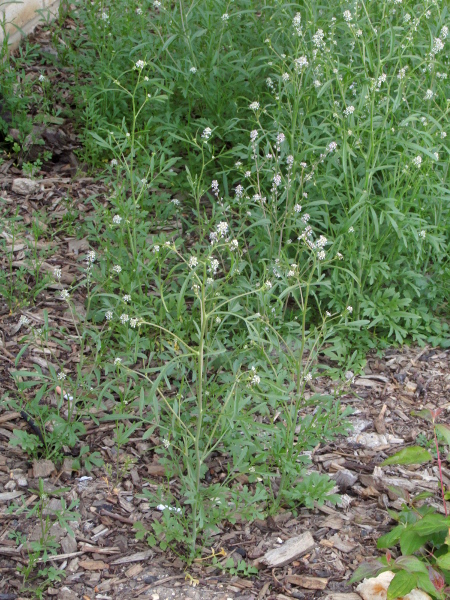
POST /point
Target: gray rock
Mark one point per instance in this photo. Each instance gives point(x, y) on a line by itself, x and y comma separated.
point(24, 186)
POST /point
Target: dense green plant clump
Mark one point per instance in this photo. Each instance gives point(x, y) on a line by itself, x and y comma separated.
point(277, 178)
point(349, 106)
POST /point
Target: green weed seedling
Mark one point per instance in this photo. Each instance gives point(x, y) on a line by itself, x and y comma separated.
point(422, 533)
point(37, 574)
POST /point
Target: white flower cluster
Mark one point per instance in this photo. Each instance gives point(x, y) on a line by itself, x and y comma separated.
point(255, 378)
point(206, 133)
point(193, 262)
point(254, 106)
point(300, 64)
point(297, 24)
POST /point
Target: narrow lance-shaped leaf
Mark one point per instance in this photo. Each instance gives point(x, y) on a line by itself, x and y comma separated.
point(415, 455)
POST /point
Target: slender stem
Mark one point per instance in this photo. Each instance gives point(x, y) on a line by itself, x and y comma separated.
point(440, 471)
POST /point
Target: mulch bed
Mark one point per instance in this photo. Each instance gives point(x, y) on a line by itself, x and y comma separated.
point(105, 561)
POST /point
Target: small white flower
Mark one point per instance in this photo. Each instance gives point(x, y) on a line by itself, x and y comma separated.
point(193, 70)
point(126, 298)
point(162, 507)
point(429, 94)
point(23, 320)
point(347, 16)
point(280, 138)
point(64, 294)
point(124, 318)
point(285, 77)
point(117, 269)
point(298, 208)
point(321, 255)
point(222, 228)
point(206, 133)
point(133, 323)
point(417, 161)
point(108, 315)
point(140, 64)
point(117, 219)
point(328, 314)
point(331, 147)
point(218, 320)
point(193, 261)
point(114, 162)
point(322, 242)
point(234, 244)
point(61, 376)
point(422, 234)
point(305, 218)
point(351, 229)
point(139, 11)
point(117, 361)
point(254, 106)
point(339, 256)
point(256, 379)
point(300, 64)
point(105, 16)
point(438, 45)
point(156, 249)
point(443, 134)
point(349, 111)
point(166, 443)
point(308, 377)
point(42, 78)
point(156, 3)
point(291, 273)
point(444, 32)
point(401, 74)
point(276, 180)
point(436, 155)
point(239, 191)
point(57, 273)
point(225, 17)
point(247, 174)
point(268, 284)
point(350, 309)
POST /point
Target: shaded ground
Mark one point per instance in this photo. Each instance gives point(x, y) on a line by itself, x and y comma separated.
point(105, 560)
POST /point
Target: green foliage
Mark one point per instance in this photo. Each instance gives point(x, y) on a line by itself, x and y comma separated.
point(37, 575)
point(277, 193)
point(422, 533)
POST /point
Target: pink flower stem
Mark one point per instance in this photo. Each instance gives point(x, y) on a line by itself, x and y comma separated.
point(440, 471)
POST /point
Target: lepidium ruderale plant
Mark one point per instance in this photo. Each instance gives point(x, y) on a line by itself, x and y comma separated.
point(196, 384)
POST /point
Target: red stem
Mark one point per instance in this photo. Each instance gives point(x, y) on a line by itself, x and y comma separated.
point(440, 471)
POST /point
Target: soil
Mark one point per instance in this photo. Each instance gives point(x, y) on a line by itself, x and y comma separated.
point(104, 560)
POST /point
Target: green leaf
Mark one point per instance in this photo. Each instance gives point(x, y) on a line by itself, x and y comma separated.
point(444, 561)
point(411, 541)
point(409, 456)
point(431, 524)
point(367, 569)
point(401, 585)
point(411, 564)
point(390, 539)
point(444, 430)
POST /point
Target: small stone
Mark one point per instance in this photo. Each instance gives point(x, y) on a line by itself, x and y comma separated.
point(22, 482)
point(69, 544)
point(66, 594)
point(42, 468)
point(24, 186)
point(10, 486)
